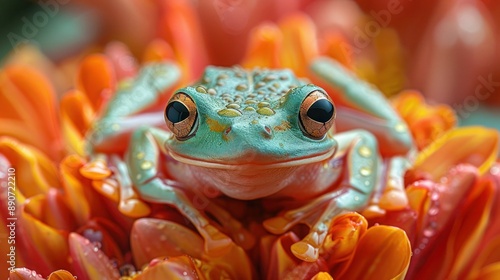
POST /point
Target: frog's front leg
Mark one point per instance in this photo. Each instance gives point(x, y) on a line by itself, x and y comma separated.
point(361, 162)
point(142, 159)
point(364, 108)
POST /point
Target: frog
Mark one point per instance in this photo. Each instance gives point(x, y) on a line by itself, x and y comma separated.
point(253, 134)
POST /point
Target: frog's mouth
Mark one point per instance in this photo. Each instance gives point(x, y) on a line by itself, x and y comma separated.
point(233, 164)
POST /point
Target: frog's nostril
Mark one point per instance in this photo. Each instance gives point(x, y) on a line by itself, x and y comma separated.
point(228, 129)
point(267, 132)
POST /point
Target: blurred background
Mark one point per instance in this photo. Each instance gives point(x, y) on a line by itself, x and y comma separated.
point(448, 50)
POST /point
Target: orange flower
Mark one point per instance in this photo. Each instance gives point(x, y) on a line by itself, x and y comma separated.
point(77, 216)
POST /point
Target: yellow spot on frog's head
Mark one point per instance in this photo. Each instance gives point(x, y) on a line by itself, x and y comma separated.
point(201, 89)
point(266, 111)
point(215, 126)
point(283, 126)
point(229, 112)
point(140, 155)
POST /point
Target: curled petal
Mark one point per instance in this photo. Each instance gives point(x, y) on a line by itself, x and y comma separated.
point(322, 276)
point(88, 261)
point(477, 146)
point(426, 122)
point(343, 236)
point(382, 253)
point(35, 173)
point(61, 275)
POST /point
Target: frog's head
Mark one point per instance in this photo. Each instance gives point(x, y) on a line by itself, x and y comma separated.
point(245, 147)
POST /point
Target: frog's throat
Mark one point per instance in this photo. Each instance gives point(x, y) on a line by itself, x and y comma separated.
point(277, 164)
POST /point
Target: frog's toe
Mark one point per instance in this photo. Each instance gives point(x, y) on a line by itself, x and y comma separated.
point(305, 251)
point(216, 243)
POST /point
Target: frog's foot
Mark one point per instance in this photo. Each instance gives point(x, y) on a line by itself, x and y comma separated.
point(353, 193)
point(391, 194)
point(239, 234)
point(142, 162)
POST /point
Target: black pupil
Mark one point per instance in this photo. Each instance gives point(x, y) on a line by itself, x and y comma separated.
point(321, 111)
point(176, 112)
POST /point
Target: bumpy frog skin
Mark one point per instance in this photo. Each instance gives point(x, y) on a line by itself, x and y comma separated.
point(248, 140)
point(252, 134)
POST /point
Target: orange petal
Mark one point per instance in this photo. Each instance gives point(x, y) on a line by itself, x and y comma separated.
point(322, 276)
point(264, 47)
point(28, 110)
point(426, 122)
point(34, 171)
point(76, 116)
point(158, 50)
point(382, 253)
point(46, 247)
point(61, 275)
point(89, 261)
point(180, 28)
point(477, 146)
point(490, 272)
point(181, 267)
point(153, 238)
point(24, 274)
point(96, 79)
point(299, 43)
point(343, 236)
point(449, 257)
point(336, 46)
point(282, 259)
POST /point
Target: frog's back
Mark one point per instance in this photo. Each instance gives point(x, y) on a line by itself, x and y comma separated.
point(247, 90)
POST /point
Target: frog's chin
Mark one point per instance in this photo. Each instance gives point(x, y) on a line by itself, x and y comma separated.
point(236, 164)
point(250, 181)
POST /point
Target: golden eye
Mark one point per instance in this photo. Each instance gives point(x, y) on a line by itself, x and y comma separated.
point(317, 114)
point(180, 116)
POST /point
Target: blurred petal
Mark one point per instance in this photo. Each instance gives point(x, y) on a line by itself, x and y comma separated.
point(264, 47)
point(35, 172)
point(76, 116)
point(477, 146)
point(24, 274)
point(336, 46)
point(76, 187)
point(88, 261)
point(299, 44)
point(180, 28)
point(383, 253)
point(46, 248)
point(426, 122)
point(490, 272)
point(28, 110)
point(158, 50)
point(96, 79)
point(123, 62)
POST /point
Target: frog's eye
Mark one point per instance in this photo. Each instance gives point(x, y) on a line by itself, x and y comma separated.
point(180, 116)
point(317, 114)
